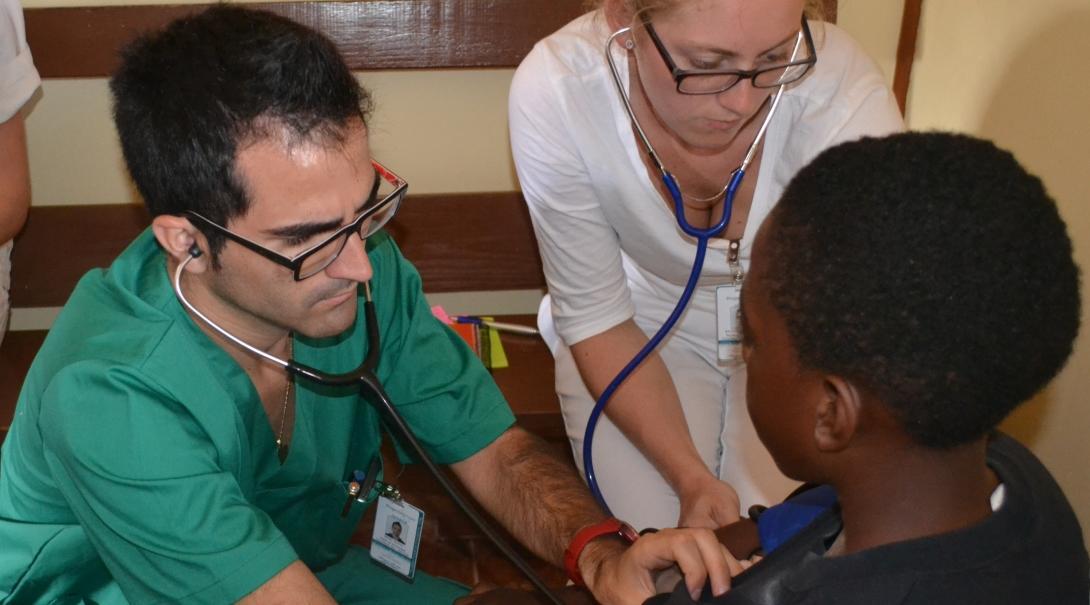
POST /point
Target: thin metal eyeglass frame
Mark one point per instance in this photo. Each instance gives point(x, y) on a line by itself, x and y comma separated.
point(680, 75)
point(296, 263)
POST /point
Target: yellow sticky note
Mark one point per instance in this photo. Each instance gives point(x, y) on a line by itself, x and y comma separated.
point(497, 357)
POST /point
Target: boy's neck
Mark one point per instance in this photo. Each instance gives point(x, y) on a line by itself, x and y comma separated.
point(905, 493)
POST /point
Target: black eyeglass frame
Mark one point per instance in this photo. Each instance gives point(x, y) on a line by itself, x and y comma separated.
point(296, 263)
point(680, 75)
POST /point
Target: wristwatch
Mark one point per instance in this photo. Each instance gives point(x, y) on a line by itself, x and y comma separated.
point(609, 527)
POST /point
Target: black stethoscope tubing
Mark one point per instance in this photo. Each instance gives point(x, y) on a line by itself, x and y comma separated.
point(364, 376)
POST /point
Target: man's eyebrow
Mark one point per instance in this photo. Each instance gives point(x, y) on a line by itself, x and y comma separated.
point(304, 231)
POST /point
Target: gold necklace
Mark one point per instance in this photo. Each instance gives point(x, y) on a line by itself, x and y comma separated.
point(281, 447)
point(703, 200)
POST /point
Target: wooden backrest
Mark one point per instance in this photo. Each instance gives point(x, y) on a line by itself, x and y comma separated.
point(461, 242)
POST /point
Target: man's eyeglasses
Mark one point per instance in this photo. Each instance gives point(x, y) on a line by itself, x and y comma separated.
point(709, 82)
point(312, 261)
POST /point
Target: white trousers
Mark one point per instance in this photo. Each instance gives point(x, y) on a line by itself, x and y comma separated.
point(713, 401)
point(5, 287)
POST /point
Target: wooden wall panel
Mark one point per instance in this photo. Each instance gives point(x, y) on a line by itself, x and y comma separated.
point(61, 243)
point(906, 51)
point(460, 243)
point(82, 42)
point(470, 242)
point(372, 34)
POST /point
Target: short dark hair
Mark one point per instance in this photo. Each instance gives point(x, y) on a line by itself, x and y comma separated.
point(186, 97)
point(932, 270)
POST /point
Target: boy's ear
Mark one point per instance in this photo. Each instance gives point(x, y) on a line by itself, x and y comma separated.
point(839, 412)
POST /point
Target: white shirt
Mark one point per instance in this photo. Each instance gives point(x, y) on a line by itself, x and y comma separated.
point(610, 246)
point(18, 81)
point(18, 77)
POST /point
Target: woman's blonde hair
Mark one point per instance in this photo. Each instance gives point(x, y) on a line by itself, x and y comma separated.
point(815, 9)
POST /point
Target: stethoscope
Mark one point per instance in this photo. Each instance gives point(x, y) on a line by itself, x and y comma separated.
point(365, 378)
point(702, 237)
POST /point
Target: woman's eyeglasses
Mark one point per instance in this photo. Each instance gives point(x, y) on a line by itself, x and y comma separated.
point(709, 82)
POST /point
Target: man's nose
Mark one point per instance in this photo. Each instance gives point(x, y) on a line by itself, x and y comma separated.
point(352, 263)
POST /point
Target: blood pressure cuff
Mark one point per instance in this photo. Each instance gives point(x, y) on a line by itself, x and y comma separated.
point(780, 523)
point(800, 527)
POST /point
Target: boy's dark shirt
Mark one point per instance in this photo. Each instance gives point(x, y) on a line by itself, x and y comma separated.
point(1029, 551)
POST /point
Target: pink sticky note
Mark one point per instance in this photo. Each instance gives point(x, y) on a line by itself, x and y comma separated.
point(441, 315)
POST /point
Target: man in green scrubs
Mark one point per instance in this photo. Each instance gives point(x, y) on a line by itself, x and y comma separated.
point(151, 459)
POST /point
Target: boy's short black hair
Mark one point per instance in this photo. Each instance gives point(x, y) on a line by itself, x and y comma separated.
point(186, 97)
point(932, 270)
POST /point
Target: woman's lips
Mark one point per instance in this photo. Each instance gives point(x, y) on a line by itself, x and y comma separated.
point(720, 125)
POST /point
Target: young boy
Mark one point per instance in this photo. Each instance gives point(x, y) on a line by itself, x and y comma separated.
point(906, 294)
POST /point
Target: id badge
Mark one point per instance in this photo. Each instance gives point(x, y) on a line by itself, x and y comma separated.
point(395, 543)
point(728, 314)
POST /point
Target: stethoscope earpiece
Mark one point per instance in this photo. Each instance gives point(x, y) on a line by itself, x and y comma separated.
point(629, 44)
point(195, 251)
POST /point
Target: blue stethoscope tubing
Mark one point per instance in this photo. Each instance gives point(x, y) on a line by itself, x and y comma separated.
point(365, 378)
point(702, 237)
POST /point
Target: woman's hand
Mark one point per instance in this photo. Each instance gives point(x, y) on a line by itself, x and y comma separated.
point(707, 502)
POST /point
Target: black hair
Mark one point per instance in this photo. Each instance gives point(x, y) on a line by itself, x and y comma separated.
point(932, 270)
point(187, 97)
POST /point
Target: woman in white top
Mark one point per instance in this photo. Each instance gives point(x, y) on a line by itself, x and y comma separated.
point(18, 81)
point(677, 446)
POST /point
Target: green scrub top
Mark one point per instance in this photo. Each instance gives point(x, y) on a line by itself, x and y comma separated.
point(141, 465)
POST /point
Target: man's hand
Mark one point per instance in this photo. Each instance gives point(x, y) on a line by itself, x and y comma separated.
point(707, 502)
point(619, 575)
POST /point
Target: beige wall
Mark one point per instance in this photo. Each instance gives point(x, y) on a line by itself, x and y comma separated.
point(442, 131)
point(1014, 71)
point(876, 24)
point(1011, 71)
point(1005, 69)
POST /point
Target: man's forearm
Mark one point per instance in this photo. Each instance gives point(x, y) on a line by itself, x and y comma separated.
point(539, 498)
point(535, 494)
point(295, 584)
